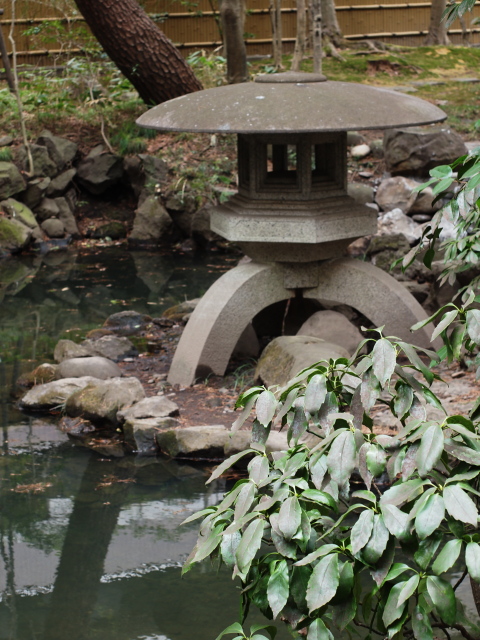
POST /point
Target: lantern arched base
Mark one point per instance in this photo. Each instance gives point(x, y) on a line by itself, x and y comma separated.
point(236, 297)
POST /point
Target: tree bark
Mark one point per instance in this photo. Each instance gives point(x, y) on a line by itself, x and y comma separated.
point(275, 8)
point(232, 16)
point(331, 29)
point(316, 11)
point(139, 49)
point(437, 32)
point(301, 41)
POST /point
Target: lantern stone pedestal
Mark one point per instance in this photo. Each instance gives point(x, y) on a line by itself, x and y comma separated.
point(292, 214)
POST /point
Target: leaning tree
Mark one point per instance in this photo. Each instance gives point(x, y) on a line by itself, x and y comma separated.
point(139, 49)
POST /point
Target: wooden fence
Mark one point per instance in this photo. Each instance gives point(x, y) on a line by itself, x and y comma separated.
point(47, 30)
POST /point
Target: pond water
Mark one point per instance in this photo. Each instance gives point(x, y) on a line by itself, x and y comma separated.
point(90, 547)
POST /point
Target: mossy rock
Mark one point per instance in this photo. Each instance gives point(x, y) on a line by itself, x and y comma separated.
point(19, 211)
point(14, 236)
point(113, 230)
point(11, 181)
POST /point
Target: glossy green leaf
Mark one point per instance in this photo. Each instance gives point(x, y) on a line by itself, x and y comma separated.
point(229, 546)
point(361, 530)
point(244, 500)
point(315, 393)
point(427, 549)
point(459, 504)
point(422, 629)
point(384, 359)
point(209, 544)
point(229, 462)
point(403, 399)
point(258, 469)
point(447, 557)
point(377, 542)
point(324, 550)
point(463, 453)
point(269, 628)
point(430, 450)
point(443, 598)
point(265, 407)
point(445, 322)
point(323, 582)
point(369, 390)
point(342, 457)
point(278, 588)
point(383, 566)
point(401, 493)
point(249, 544)
point(409, 588)
point(472, 560)
point(318, 631)
point(320, 497)
point(396, 570)
point(236, 627)
point(376, 460)
point(473, 325)
point(244, 414)
point(289, 518)
point(392, 611)
point(396, 521)
point(430, 516)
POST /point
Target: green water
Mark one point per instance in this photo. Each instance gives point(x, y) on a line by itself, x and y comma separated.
point(90, 547)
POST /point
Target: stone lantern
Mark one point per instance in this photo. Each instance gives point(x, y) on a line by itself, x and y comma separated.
point(292, 214)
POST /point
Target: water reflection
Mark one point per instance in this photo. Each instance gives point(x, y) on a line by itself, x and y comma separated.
point(92, 548)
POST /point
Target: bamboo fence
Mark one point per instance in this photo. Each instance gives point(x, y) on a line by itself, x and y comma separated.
point(47, 31)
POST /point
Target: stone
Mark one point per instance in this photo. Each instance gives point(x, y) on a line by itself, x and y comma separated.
point(48, 208)
point(53, 227)
point(100, 401)
point(35, 192)
point(200, 227)
point(419, 290)
point(424, 203)
point(42, 374)
point(6, 141)
point(11, 181)
point(151, 223)
point(127, 323)
point(396, 222)
point(333, 327)
point(360, 151)
point(354, 138)
point(141, 434)
point(93, 366)
point(61, 151)
point(60, 184)
point(377, 148)
point(360, 192)
point(67, 349)
point(178, 311)
point(396, 193)
point(155, 407)
point(43, 165)
point(99, 171)
point(204, 441)
point(112, 347)
point(113, 230)
point(285, 356)
point(52, 395)
point(416, 151)
point(66, 216)
point(14, 236)
point(144, 172)
point(421, 217)
point(19, 211)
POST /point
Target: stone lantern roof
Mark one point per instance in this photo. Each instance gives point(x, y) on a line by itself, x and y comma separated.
point(291, 103)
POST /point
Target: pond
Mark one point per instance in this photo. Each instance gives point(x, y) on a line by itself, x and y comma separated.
point(91, 547)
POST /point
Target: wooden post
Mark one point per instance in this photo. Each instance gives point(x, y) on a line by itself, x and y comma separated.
point(6, 61)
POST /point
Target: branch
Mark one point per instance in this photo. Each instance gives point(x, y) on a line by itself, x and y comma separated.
point(457, 627)
point(461, 579)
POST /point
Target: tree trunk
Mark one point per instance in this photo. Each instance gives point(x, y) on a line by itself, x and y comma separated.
point(316, 11)
point(232, 16)
point(300, 42)
point(139, 49)
point(275, 8)
point(331, 28)
point(437, 32)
